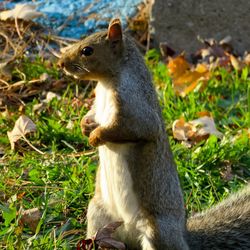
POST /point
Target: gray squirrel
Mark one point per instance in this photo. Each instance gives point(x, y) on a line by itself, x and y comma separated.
point(137, 181)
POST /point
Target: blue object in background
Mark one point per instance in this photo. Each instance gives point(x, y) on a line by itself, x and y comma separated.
point(76, 18)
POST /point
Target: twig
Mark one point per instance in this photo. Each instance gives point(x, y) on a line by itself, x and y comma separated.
point(8, 41)
point(17, 29)
point(63, 39)
point(60, 28)
point(4, 82)
point(32, 146)
point(85, 153)
point(53, 52)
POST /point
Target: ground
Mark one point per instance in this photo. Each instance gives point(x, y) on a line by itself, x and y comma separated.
point(59, 181)
point(47, 176)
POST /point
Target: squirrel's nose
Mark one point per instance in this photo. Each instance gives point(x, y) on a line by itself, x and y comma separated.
point(60, 64)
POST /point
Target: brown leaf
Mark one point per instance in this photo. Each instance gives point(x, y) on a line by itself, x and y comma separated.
point(185, 79)
point(87, 244)
point(21, 11)
point(104, 237)
point(236, 63)
point(180, 129)
point(195, 130)
point(31, 218)
point(205, 125)
point(23, 126)
point(246, 59)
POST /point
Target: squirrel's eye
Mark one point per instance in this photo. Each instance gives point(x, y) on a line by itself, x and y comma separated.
point(87, 51)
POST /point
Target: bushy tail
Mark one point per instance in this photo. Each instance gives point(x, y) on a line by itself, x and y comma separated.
point(224, 226)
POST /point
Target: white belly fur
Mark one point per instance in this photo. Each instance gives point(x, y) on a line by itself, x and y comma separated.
point(115, 179)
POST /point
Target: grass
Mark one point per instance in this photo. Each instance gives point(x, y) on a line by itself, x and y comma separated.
point(61, 181)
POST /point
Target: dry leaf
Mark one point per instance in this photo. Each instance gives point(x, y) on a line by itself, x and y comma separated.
point(70, 125)
point(195, 130)
point(31, 218)
point(21, 11)
point(185, 79)
point(236, 63)
point(51, 95)
point(180, 128)
point(177, 66)
point(204, 113)
point(22, 126)
point(206, 126)
point(246, 59)
point(39, 107)
point(104, 237)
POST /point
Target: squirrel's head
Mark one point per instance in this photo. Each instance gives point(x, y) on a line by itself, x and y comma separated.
point(97, 56)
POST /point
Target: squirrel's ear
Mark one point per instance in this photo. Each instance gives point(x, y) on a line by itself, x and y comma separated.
point(115, 30)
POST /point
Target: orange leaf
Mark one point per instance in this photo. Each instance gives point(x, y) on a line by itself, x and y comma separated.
point(185, 79)
point(204, 113)
point(177, 66)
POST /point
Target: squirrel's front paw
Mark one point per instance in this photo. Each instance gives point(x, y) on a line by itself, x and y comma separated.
point(95, 137)
point(88, 125)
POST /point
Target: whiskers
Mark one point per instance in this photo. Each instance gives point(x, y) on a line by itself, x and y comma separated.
point(79, 68)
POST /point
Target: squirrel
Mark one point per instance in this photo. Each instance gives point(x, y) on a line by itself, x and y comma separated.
point(137, 181)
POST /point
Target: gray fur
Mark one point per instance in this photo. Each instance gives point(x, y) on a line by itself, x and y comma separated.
point(224, 226)
point(160, 223)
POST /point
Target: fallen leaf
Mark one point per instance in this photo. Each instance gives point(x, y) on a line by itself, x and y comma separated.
point(21, 11)
point(185, 79)
point(196, 130)
point(104, 237)
point(23, 126)
point(206, 126)
point(204, 113)
point(39, 107)
point(31, 218)
point(180, 128)
point(246, 59)
point(177, 66)
point(70, 125)
point(85, 245)
point(236, 63)
point(51, 95)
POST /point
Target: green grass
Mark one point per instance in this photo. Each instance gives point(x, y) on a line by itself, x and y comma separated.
point(61, 181)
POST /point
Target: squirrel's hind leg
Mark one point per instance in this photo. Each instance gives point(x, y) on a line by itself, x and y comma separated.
point(97, 217)
point(170, 237)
